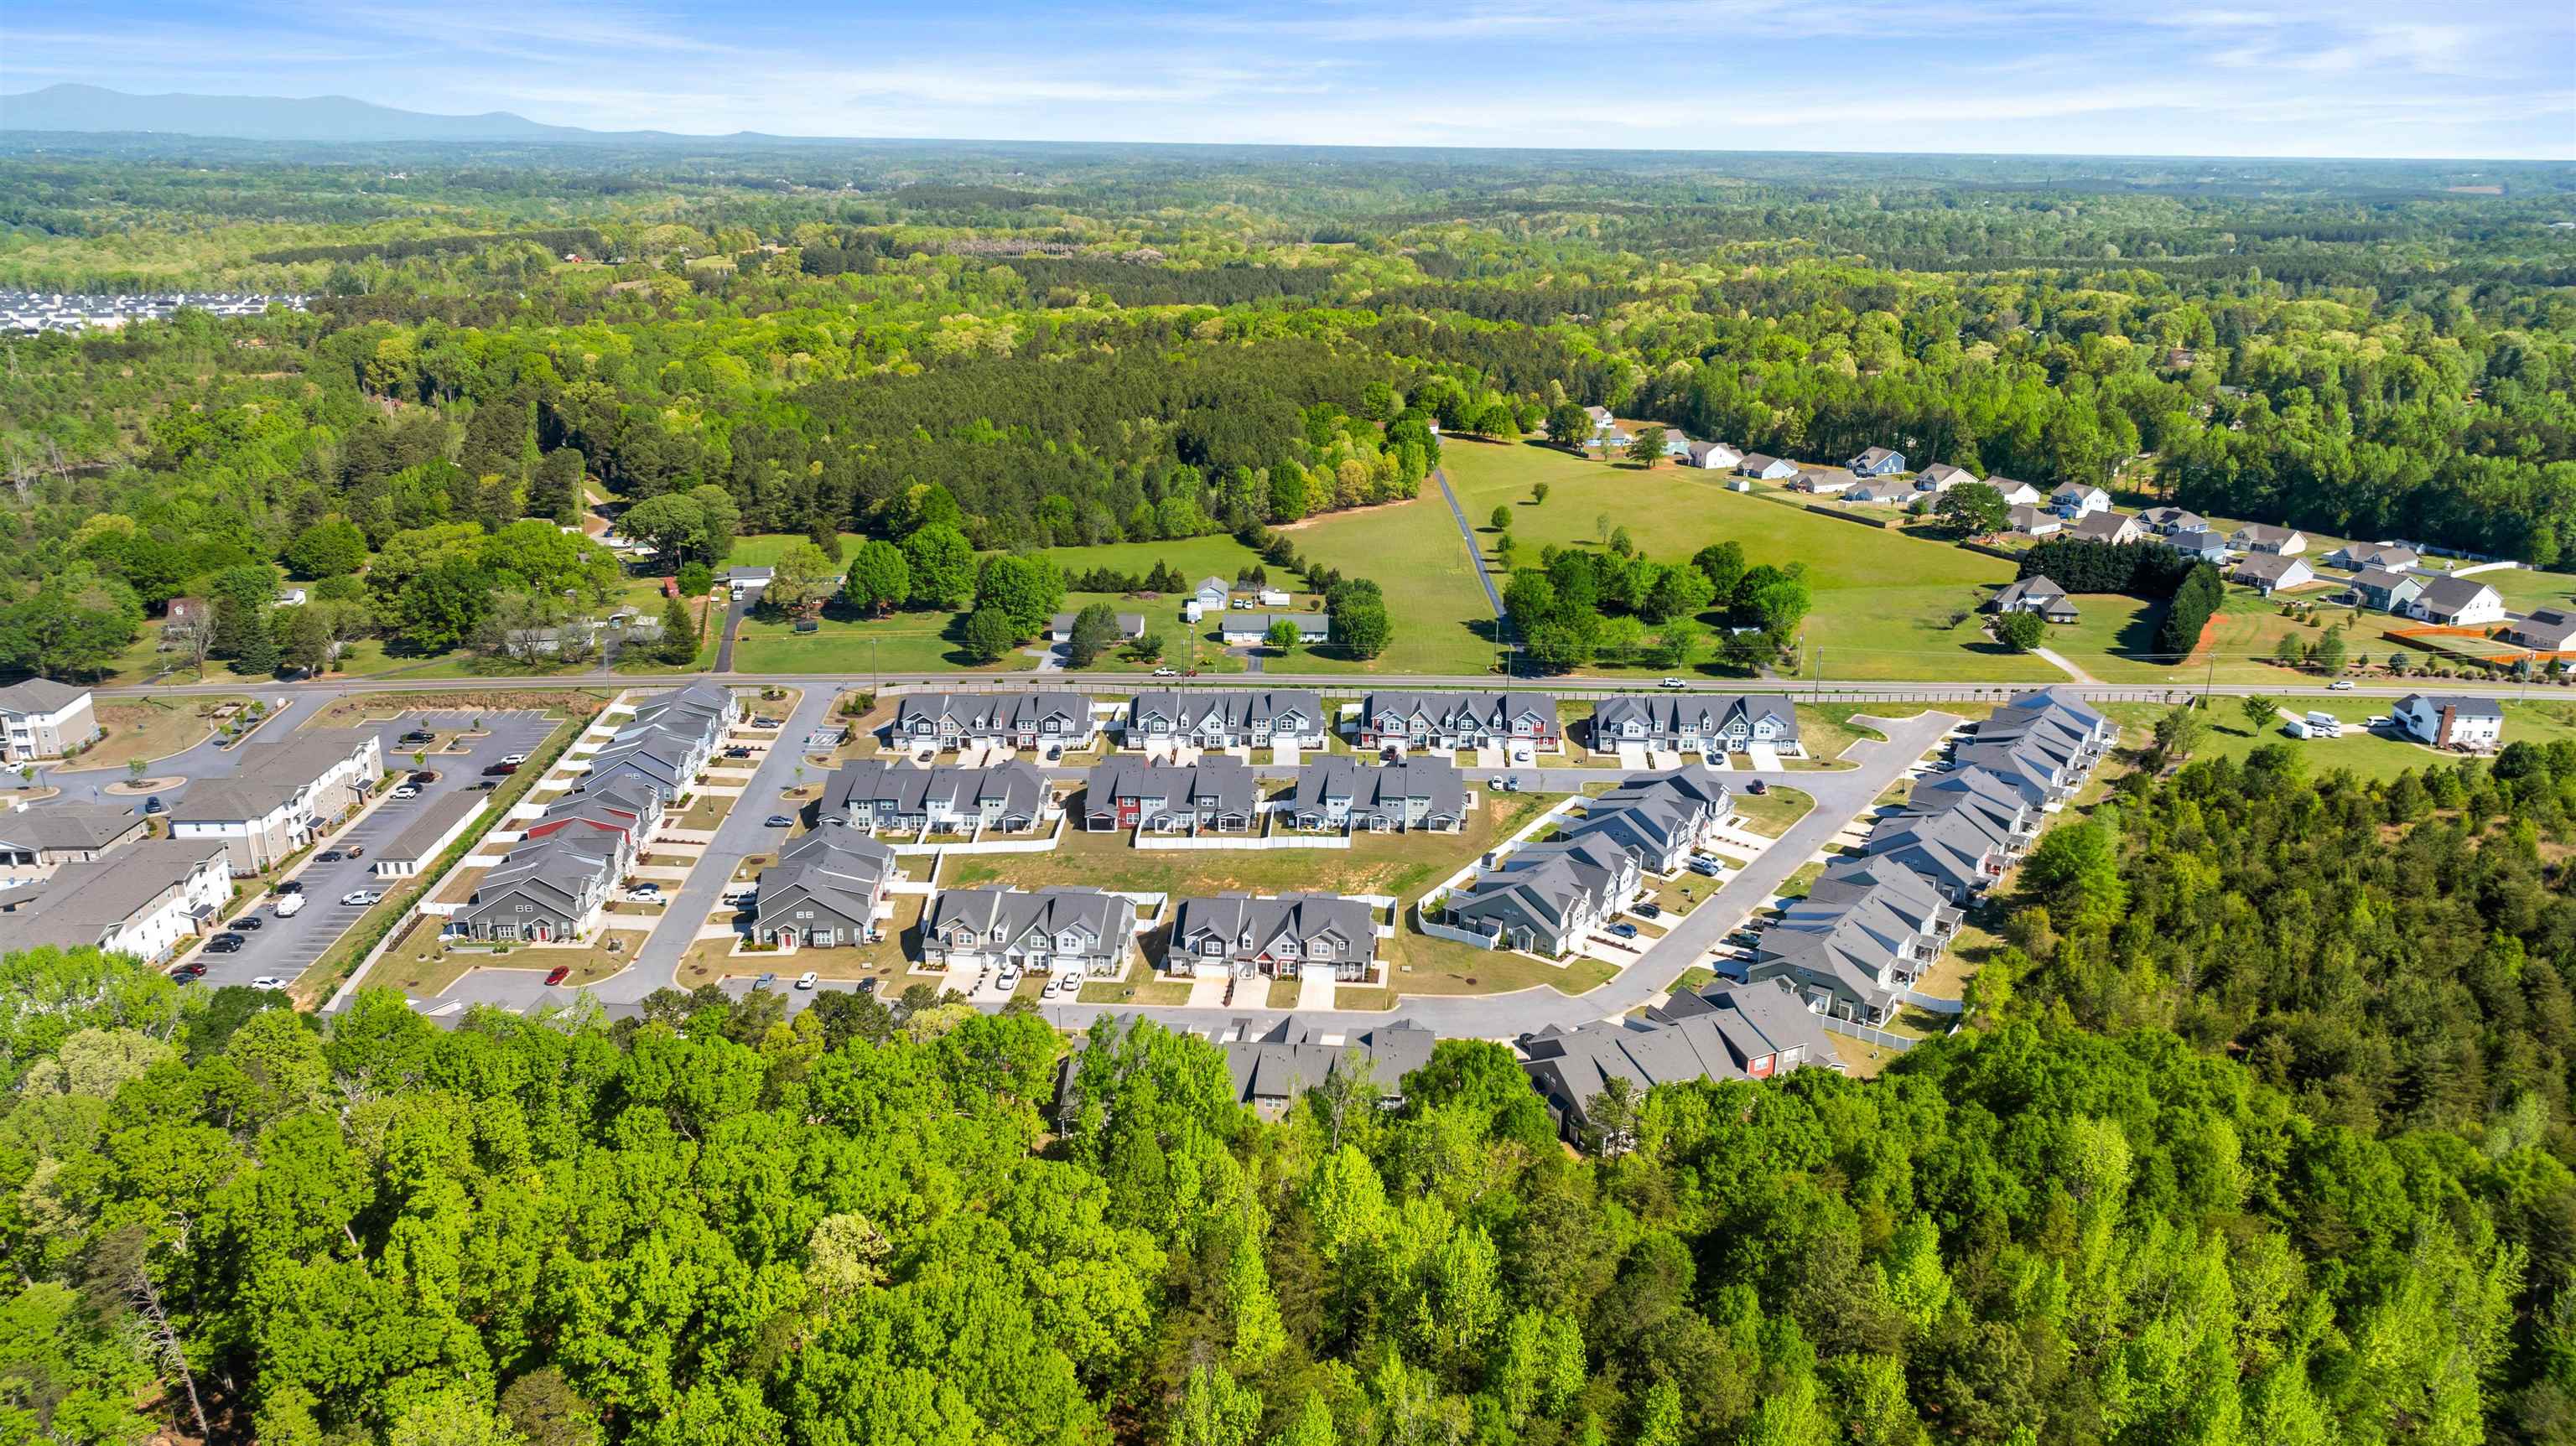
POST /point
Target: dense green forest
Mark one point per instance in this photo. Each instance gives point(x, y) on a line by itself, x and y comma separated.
point(1094, 345)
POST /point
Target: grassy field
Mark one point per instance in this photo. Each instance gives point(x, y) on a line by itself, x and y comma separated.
point(1443, 621)
point(2371, 755)
point(1771, 814)
point(1883, 600)
point(148, 729)
point(905, 642)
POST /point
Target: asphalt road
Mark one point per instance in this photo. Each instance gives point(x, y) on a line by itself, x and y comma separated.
point(286, 947)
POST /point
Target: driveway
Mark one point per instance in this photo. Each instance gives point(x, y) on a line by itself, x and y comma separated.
point(733, 620)
point(287, 947)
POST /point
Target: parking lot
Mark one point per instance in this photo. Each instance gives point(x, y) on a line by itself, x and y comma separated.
point(284, 948)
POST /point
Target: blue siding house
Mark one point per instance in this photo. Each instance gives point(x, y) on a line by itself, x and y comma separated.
point(1877, 462)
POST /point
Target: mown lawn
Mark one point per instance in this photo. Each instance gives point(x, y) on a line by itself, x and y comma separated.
point(147, 729)
point(905, 642)
point(1883, 600)
point(1443, 621)
point(2368, 754)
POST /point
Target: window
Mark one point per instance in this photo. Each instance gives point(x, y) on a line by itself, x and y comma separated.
point(527, 908)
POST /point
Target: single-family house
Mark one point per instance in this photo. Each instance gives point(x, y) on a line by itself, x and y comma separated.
point(1713, 456)
point(1227, 718)
point(2166, 521)
point(1602, 421)
point(2032, 521)
point(1217, 794)
point(873, 793)
point(281, 795)
point(1338, 792)
point(1678, 447)
point(66, 833)
point(1459, 720)
point(2389, 556)
point(1705, 723)
point(2075, 499)
point(1060, 627)
point(2200, 544)
point(1211, 597)
point(1823, 484)
point(2546, 630)
point(1044, 931)
point(41, 719)
point(1940, 477)
point(1723, 1032)
point(1293, 936)
point(825, 891)
point(2389, 591)
point(1250, 629)
point(145, 900)
point(1882, 491)
point(1546, 898)
point(2265, 537)
point(1012, 719)
point(1764, 468)
point(2457, 602)
point(2269, 572)
point(2016, 492)
point(2033, 595)
point(2114, 528)
point(2474, 725)
point(1877, 462)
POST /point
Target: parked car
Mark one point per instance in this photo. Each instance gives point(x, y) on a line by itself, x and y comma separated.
point(1704, 866)
point(357, 851)
point(486, 786)
point(1523, 754)
point(764, 722)
point(330, 856)
point(1624, 931)
point(867, 986)
point(405, 793)
point(289, 905)
point(559, 974)
point(360, 898)
point(1390, 753)
point(1010, 978)
point(499, 770)
point(190, 969)
point(291, 886)
point(737, 752)
point(250, 921)
point(1055, 752)
point(778, 820)
point(806, 979)
point(416, 738)
point(424, 775)
point(645, 893)
point(514, 759)
point(268, 981)
point(1648, 911)
point(766, 979)
point(183, 980)
point(225, 944)
point(154, 805)
point(1745, 939)
point(1757, 788)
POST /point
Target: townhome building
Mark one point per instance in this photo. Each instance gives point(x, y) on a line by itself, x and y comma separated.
point(1228, 718)
point(1013, 719)
point(618, 818)
point(1546, 898)
point(1705, 723)
point(825, 891)
point(1044, 931)
point(1722, 1032)
point(1866, 931)
point(41, 719)
point(875, 793)
point(2000, 809)
point(1217, 794)
point(1292, 936)
point(1659, 818)
point(1271, 1067)
point(1951, 850)
point(553, 888)
point(281, 795)
point(145, 900)
point(1459, 720)
point(1338, 792)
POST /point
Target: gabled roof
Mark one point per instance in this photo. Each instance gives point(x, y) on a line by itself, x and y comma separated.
point(2452, 594)
point(83, 902)
point(68, 825)
point(2270, 567)
point(1224, 784)
point(2380, 579)
point(1248, 924)
point(1233, 709)
point(1018, 789)
point(1492, 711)
point(2464, 707)
point(2103, 526)
point(1380, 789)
point(39, 695)
point(833, 867)
point(1105, 919)
point(1667, 713)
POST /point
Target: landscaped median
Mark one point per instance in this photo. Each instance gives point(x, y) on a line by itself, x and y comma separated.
point(327, 974)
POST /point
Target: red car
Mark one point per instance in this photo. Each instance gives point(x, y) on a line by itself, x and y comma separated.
point(558, 974)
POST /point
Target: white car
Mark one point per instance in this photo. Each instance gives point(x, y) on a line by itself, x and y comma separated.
point(1672, 683)
point(1167, 672)
point(1009, 979)
point(2340, 685)
point(268, 981)
point(360, 897)
point(806, 979)
point(1523, 755)
point(645, 893)
point(404, 792)
point(514, 758)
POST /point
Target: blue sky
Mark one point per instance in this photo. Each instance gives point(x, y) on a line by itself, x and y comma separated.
point(2479, 78)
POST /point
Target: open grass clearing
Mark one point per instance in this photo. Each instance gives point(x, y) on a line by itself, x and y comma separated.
point(143, 729)
point(1419, 964)
point(426, 974)
point(1770, 814)
point(2367, 754)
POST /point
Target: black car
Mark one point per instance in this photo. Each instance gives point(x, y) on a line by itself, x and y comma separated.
point(1757, 787)
point(737, 753)
point(291, 886)
point(867, 986)
point(225, 944)
point(425, 775)
point(329, 856)
point(249, 921)
point(1648, 911)
point(416, 737)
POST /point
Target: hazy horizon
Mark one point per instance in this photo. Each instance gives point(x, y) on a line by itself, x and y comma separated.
point(2372, 80)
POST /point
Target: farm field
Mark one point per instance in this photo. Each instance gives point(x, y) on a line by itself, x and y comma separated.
point(1883, 601)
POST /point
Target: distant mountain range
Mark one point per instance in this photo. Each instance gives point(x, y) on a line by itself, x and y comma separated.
point(93, 109)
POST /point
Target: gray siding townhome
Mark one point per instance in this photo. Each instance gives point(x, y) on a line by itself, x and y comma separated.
point(551, 888)
point(1044, 931)
point(1270, 1069)
point(1418, 793)
point(1864, 933)
point(1698, 722)
point(1293, 936)
point(1217, 794)
point(1658, 818)
point(877, 794)
point(824, 891)
point(1723, 1032)
point(1017, 720)
point(1227, 718)
point(1547, 898)
point(1458, 720)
